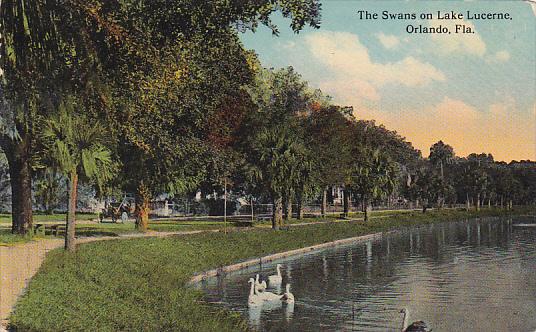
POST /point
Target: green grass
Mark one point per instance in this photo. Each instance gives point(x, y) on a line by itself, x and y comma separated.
point(57, 217)
point(8, 239)
point(86, 229)
point(141, 284)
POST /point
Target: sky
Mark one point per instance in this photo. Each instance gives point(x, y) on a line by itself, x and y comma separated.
point(474, 91)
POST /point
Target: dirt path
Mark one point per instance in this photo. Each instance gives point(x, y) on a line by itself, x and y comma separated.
point(19, 263)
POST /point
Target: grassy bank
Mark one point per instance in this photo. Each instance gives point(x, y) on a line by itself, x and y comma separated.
point(86, 229)
point(141, 284)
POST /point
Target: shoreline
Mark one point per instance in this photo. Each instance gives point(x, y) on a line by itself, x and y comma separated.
point(202, 276)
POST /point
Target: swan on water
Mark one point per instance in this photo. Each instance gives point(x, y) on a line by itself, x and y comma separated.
point(254, 298)
point(417, 326)
point(288, 297)
point(261, 286)
point(269, 296)
point(275, 279)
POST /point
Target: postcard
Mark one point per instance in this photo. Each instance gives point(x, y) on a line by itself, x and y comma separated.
point(267, 165)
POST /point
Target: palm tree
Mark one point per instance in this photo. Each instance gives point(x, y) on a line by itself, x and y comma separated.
point(441, 155)
point(277, 157)
point(76, 148)
point(373, 176)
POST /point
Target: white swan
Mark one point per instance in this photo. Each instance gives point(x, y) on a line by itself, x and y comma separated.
point(269, 296)
point(254, 298)
point(418, 326)
point(288, 297)
point(275, 279)
point(260, 286)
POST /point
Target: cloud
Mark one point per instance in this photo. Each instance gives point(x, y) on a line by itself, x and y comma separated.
point(500, 56)
point(353, 70)
point(388, 41)
point(501, 129)
point(457, 43)
point(288, 45)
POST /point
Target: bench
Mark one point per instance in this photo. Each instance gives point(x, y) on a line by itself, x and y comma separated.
point(243, 223)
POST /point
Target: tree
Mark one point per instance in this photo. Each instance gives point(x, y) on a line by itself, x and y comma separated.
point(275, 134)
point(276, 156)
point(42, 56)
point(195, 63)
point(329, 139)
point(423, 186)
point(441, 155)
point(48, 190)
point(373, 176)
point(77, 149)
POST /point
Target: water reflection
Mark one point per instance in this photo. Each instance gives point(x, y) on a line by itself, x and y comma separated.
point(477, 275)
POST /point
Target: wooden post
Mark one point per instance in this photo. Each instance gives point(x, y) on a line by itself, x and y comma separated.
point(252, 215)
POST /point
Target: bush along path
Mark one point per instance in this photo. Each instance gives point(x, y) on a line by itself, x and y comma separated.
point(143, 284)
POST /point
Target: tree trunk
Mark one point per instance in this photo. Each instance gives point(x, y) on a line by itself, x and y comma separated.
point(467, 204)
point(287, 208)
point(277, 212)
point(424, 205)
point(323, 206)
point(511, 205)
point(70, 242)
point(142, 207)
point(441, 199)
point(299, 202)
point(20, 174)
point(366, 209)
point(478, 202)
point(346, 202)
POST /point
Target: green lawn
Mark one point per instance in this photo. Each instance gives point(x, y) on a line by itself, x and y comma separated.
point(57, 217)
point(141, 284)
point(7, 239)
point(85, 229)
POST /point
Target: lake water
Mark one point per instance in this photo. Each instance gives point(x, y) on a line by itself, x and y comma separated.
point(477, 275)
